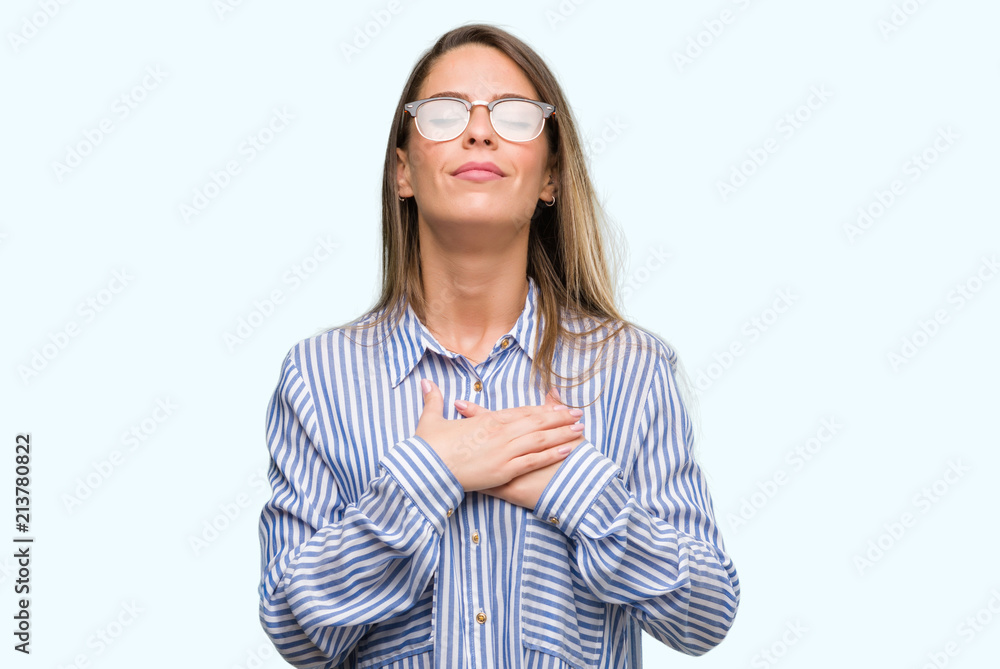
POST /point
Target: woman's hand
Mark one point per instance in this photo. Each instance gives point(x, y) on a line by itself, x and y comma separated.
point(526, 489)
point(492, 448)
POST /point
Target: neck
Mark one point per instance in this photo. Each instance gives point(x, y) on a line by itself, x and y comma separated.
point(467, 315)
point(474, 283)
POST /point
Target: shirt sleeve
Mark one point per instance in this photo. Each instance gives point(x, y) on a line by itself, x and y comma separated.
point(649, 543)
point(330, 570)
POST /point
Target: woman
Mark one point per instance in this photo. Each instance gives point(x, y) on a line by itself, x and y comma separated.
point(435, 501)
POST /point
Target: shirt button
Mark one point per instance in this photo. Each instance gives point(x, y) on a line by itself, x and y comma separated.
point(475, 537)
point(504, 343)
point(449, 512)
point(481, 618)
point(478, 386)
point(554, 520)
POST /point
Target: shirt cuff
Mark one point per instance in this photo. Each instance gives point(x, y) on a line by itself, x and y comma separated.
point(425, 479)
point(579, 481)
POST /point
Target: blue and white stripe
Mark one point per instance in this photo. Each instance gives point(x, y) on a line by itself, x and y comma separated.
point(367, 550)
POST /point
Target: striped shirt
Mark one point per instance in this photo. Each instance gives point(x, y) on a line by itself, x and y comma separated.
point(373, 555)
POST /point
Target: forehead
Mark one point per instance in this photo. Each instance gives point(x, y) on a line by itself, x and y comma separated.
point(480, 72)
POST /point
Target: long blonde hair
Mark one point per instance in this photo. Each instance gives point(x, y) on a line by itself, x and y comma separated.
point(567, 242)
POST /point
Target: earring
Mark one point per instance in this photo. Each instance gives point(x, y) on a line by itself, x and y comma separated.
point(549, 204)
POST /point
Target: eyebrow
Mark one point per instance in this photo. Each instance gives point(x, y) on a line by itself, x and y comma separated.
point(465, 96)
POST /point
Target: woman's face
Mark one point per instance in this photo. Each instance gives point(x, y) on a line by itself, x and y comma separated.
point(425, 169)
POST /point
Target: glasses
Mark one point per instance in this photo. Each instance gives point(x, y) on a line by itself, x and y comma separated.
point(514, 119)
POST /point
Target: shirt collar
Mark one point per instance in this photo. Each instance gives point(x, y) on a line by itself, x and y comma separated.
point(407, 343)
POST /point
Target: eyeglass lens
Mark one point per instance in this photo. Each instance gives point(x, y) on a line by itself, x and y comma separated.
point(514, 120)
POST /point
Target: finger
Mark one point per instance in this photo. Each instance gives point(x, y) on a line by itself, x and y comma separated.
point(469, 409)
point(550, 400)
point(433, 402)
point(552, 397)
point(529, 462)
point(537, 433)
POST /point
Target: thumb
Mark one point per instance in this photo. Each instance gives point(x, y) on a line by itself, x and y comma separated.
point(433, 401)
point(552, 397)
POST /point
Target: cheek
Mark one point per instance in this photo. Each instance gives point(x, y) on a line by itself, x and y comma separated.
point(535, 172)
point(418, 163)
point(425, 166)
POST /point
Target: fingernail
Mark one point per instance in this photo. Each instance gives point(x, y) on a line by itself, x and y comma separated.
point(560, 407)
point(426, 385)
point(563, 450)
point(462, 404)
point(576, 412)
point(576, 427)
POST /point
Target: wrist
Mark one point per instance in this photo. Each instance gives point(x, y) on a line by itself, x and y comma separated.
point(425, 479)
point(579, 481)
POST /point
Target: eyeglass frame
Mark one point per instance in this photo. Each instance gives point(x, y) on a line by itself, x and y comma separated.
point(412, 107)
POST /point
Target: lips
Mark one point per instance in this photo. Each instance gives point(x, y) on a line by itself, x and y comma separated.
point(478, 167)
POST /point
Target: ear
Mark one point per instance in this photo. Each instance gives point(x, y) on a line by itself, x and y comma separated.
point(551, 188)
point(403, 173)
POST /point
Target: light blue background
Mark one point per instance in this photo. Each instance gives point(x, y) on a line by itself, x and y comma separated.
point(683, 130)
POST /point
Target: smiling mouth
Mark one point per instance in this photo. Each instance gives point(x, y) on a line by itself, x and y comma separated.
point(477, 175)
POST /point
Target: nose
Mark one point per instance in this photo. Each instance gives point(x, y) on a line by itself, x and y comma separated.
point(480, 126)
